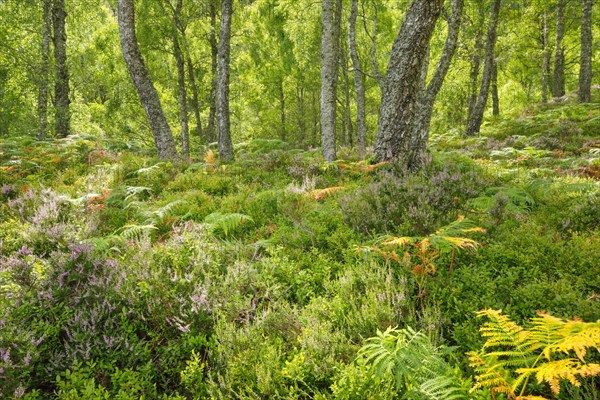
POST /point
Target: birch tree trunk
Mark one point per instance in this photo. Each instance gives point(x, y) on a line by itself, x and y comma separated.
point(359, 86)
point(214, 53)
point(61, 87)
point(182, 93)
point(476, 118)
point(373, 37)
point(195, 96)
point(163, 138)
point(223, 116)
point(545, 58)
point(558, 78)
point(585, 67)
point(329, 70)
point(44, 78)
point(347, 133)
point(282, 110)
point(424, 109)
point(403, 78)
point(495, 98)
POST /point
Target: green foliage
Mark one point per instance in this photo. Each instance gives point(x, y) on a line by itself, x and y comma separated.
point(226, 223)
point(196, 282)
point(417, 366)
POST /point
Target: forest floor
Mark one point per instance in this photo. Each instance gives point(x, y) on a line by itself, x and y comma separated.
point(122, 276)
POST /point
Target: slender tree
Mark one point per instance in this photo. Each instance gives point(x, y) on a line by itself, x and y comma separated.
point(329, 69)
point(476, 118)
point(163, 138)
point(476, 64)
point(44, 76)
point(223, 116)
point(61, 87)
point(214, 55)
point(373, 37)
point(495, 97)
point(282, 115)
point(178, 37)
point(558, 77)
point(400, 91)
point(545, 57)
point(424, 108)
point(182, 94)
point(195, 95)
point(359, 86)
point(585, 69)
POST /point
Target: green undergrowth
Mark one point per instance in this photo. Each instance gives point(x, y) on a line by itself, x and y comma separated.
point(125, 277)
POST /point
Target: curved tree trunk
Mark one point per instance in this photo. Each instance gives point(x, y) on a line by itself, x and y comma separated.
point(359, 86)
point(329, 73)
point(476, 118)
point(585, 68)
point(223, 116)
point(44, 77)
point(163, 138)
point(424, 109)
point(558, 78)
point(402, 82)
point(61, 87)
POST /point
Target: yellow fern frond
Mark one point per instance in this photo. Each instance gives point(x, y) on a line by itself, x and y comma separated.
point(475, 229)
point(461, 242)
point(320, 194)
point(398, 241)
point(529, 352)
point(370, 168)
point(500, 330)
point(555, 371)
point(578, 337)
point(490, 375)
point(361, 167)
point(210, 157)
point(557, 335)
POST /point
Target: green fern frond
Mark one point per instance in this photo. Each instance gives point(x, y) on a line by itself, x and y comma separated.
point(154, 216)
point(135, 231)
point(418, 367)
point(442, 388)
point(142, 171)
point(132, 192)
point(227, 223)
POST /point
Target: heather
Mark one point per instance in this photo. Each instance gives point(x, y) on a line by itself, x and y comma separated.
point(282, 276)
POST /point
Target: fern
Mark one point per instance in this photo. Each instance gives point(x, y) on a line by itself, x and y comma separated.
point(518, 201)
point(150, 219)
point(132, 192)
point(145, 170)
point(135, 231)
point(155, 216)
point(227, 223)
point(361, 167)
point(320, 194)
point(416, 364)
point(513, 354)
